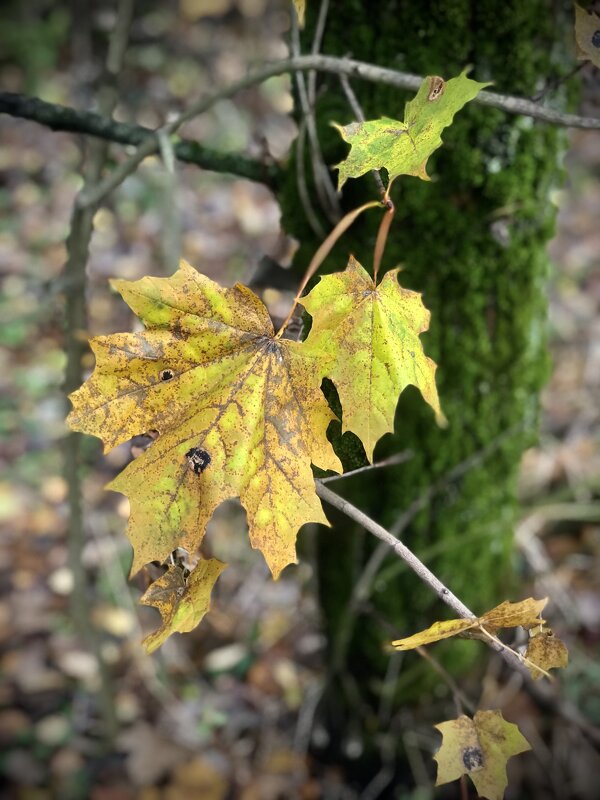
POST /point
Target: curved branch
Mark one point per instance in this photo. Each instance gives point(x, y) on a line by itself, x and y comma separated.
point(64, 118)
point(337, 66)
point(425, 574)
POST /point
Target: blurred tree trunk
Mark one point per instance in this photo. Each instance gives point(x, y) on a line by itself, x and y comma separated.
point(474, 242)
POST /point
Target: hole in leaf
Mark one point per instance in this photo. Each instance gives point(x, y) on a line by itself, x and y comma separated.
point(198, 459)
point(166, 374)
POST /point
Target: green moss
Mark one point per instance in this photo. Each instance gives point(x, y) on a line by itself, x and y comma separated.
point(473, 241)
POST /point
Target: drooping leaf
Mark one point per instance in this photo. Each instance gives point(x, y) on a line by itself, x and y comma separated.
point(182, 603)
point(479, 748)
point(402, 148)
point(300, 11)
point(525, 614)
point(368, 340)
point(439, 630)
point(546, 651)
point(239, 413)
point(587, 35)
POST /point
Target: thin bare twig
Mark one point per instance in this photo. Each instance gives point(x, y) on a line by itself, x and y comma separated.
point(461, 700)
point(425, 574)
point(360, 116)
point(337, 66)
point(323, 185)
point(303, 193)
point(62, 118)
point(316, 48)
point(392, 461)
point(78, 242)
point(363, 586)
point(171, 233)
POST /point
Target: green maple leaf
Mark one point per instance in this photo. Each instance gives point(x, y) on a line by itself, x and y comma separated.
point(479, 748)
point(367, 337)
point(239, 413)
point(182, 603)
point(402, 148)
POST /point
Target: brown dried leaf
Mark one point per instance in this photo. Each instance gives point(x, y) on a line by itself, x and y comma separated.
point(547, 651)
point(587, 35)
point(525, 613)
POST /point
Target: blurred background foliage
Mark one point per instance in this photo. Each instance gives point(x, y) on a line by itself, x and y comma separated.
point(231, 709)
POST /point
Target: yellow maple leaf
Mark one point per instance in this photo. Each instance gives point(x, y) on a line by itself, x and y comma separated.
point(479, 748)
point(367, 336)
point(182, 603)
point(239, 413)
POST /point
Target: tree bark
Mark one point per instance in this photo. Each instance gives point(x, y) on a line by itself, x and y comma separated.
point(473, 240)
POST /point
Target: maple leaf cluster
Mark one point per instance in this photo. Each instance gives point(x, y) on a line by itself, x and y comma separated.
point(210, 375)
point(233, 410)
point(237, 411)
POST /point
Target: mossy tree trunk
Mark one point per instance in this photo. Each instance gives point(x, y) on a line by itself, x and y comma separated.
point(474, 242)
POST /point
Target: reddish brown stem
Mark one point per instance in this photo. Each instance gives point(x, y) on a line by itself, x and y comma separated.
point(382, 235)
point(322, 253)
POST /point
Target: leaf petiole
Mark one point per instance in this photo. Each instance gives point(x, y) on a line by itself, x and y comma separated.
point(382, 235)
point(322, 253)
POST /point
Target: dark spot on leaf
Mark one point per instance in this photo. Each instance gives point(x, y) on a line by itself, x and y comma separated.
point(436, 87)
point(198, 459)
point(166, 374)
point(140, 443)
point(472, 758)
point(596, 38)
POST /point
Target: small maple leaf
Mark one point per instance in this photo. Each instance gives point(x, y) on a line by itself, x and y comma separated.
point(547, 651)
point(239, 413)
point(182, 603)
point(368, 338)
point(525, 614)
point(587, 35)
point(300, 11)
point(479, 748)
point(402, 148)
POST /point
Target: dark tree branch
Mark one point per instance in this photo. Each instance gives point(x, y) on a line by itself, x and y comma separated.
point(63, 118)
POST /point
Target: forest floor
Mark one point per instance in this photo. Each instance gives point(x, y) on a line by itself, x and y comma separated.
point(228, 710)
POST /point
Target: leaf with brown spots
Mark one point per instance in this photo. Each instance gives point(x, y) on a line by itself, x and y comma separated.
point(367, 337)
point(403, 148)
point(479, 748)
point(182, 603)
point(587, 35)
point(239, 412)
point(547, 651)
